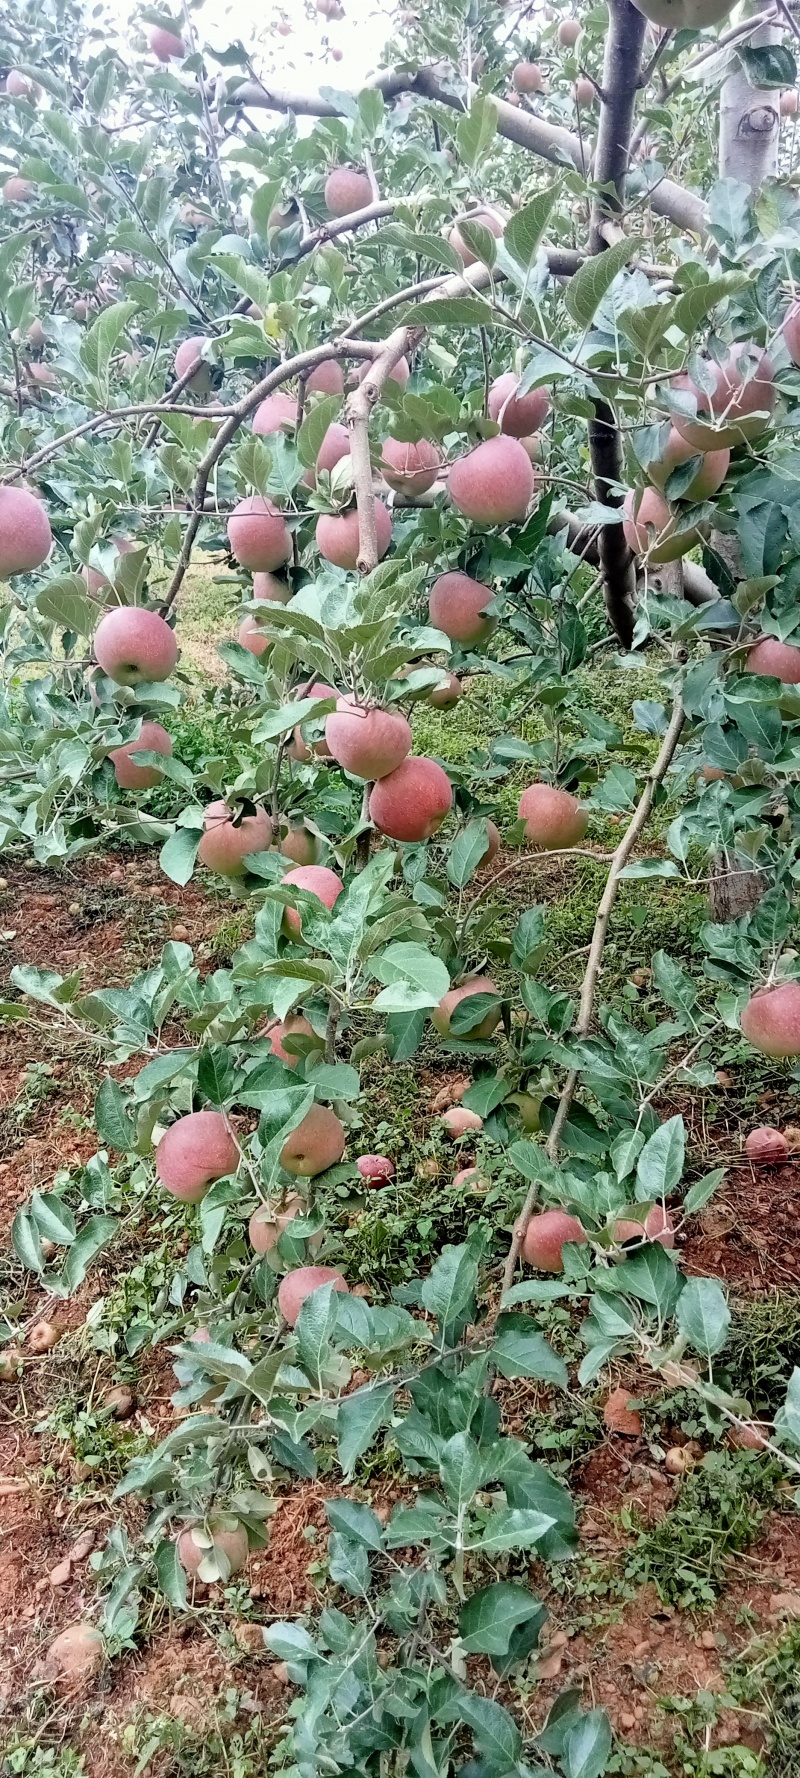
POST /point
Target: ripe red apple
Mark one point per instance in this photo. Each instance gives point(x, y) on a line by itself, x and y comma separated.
point(766, 1147)
point(375, 1168)
point(251, 636)
point(133, 645)
point(569, 31)
point(152, 739)
point(268, 1223)
point(517, 416)
point(335, 445)
point(337, 535)
point(18, 191)
point(711, 471)
point(493, 485)
point(188, 351)
point(193, 1152)
point(492, 843)
point(302, 1282)
point(226, 843)
point(294, 1025)
point(399, 373)
point(409, 468)
point(741, 406)
point(19, 87)
point(788, 105)
point(368, 743)
point(412, 802)
point(457, 604)
point(268, 586)
point(319, 881)
point(771, 1020)
point(274, 412)
point(470, 1177)
point(657, 1226)
point(347, 189)
point(233, 1544)
point(474, 984)
point(298, 747)
point(297, 843)
point(165, 44)
point(585, 92)
point(458, 1120)
point(326, 378)
point(316, 1144)
point(25, 535)
point(553, 818)
point(443, 697)
point(545, 1236)
point(487, 219)
point(653, 529)
point(527, 77)
point(775, 660)
point(258, 534)
point(43, 375)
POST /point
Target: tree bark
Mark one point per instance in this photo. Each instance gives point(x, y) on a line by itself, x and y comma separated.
point(749, 123)
point(623, 59)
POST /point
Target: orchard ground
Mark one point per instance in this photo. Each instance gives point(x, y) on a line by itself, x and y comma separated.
point(677, 1614)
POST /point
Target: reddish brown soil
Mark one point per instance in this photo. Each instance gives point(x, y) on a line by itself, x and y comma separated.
point(749, 1235)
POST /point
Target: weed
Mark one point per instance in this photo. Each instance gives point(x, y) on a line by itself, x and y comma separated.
point(25, 1755)
point(718, 1512)
point(763, 1347)
point(229, 1743)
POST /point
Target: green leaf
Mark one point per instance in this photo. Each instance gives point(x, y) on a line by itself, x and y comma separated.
point(476, 130)
point(348, 1565)
point(171, 1576)
point(215, 1074)
point(593, 280)
point(290, 1642)
point(519, 1350)
point(489, 1618)
point(511, 1528)
point(64, 602)
point(414, 978)
point(587, 1746)
point(461, 1470)
point(450, 311)
point(660, 1164)
point(93, 1237)
point(494, 1728)
point(359, 1417)
point(467, 851)
point(53, 1219)
point(787, 1421)
point(178, 854)
point(449, 1289)
point(336, 1080)
point(771, 65)
point(103, 337)
point(314, 428)
point(315, 1324)
point(247, 278)
point(25, 1241)
point(524, 232)
point(703, 1315)
point(695, 304)
point(112, 1121)
point(355, 1521)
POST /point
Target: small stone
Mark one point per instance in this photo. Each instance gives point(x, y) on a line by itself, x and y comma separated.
point(61, 1574)
point(181, 933)
point(590, 1528)
point(81, 1471)
point(642, 1648)
point(707, 1639)
point(451, 1095)
point(784, 1605)
point(725, 1080)
point(383, 1513)
point(640, 977)
point(82, 1546)
point(549, 1668)
point(559, 1640)
point(280, 1673)
point(619, 1416)
point(627, 1720)
point(3, 884)
point(74, 909)
point(249, 1638)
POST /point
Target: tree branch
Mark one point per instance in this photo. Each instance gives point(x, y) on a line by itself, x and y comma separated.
point(638, 819)
point(357, 411)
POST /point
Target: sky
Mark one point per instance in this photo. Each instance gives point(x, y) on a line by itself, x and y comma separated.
point(301, 61)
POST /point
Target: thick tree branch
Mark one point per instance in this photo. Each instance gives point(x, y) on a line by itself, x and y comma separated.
point(661, 765)
point(357, 412)
point(551, 141)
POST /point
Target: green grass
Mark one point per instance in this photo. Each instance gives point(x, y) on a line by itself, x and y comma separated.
point(718, 1512)
point(763, 1347)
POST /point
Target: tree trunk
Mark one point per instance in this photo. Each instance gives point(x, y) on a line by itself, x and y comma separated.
point(623, 60)
point(749, 123)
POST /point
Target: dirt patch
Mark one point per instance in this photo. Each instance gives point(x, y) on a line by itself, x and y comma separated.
point(750, 1234)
